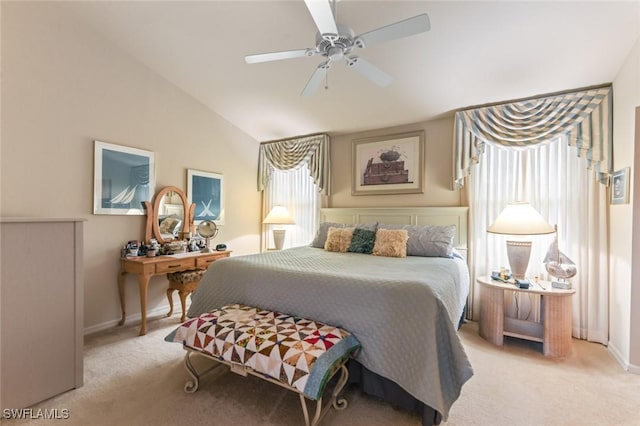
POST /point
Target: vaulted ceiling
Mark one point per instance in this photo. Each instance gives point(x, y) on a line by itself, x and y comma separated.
point(476, 52)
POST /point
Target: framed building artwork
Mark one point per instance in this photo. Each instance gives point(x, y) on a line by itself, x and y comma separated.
point(124, 178)
point(206, 191)
point(392, 164)
point(620, 186)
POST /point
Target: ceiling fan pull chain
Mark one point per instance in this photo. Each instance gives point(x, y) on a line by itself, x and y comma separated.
point(326, 81)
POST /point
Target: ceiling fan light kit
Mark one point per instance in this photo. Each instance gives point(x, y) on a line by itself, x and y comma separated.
point(335, 42)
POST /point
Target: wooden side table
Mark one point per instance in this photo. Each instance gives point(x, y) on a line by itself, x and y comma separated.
point(553, 330)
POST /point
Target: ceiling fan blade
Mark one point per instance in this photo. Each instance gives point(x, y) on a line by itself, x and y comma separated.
point(316, 79)
point(276, 56)
point(370, 71)
point(416, 25)
point(322, 15)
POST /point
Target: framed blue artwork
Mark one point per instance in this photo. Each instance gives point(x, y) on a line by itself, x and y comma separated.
point(123, 178)
point(206, 191)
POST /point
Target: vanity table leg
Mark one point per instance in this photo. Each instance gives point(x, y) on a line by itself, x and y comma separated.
point(121, 275)
point(143, 282)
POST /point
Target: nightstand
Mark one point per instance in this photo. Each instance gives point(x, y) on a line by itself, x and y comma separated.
point(553, 330)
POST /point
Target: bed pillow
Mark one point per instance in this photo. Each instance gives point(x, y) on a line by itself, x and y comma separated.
point(391, 242)
point(338, 239)
point(428, 240)
point(362, 241)
point(321, 235)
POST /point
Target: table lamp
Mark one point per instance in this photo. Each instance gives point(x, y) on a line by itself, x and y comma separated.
point(519, 218)
point(278, 216)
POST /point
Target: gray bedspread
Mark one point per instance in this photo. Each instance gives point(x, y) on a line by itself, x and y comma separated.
point(404, 311)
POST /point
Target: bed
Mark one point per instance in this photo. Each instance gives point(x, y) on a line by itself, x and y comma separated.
point(404, 310)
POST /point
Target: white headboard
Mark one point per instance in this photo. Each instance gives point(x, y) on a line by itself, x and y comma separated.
point(405, 215)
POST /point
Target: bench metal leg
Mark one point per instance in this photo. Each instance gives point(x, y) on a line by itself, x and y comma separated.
point(338, 404)
point(192, 385)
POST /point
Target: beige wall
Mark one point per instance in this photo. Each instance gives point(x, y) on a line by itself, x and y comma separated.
point(634, 339)
point(64, 86)
point(624, 272)
point(438, 169)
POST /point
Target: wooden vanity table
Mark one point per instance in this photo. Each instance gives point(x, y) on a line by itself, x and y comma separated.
point(146, 267)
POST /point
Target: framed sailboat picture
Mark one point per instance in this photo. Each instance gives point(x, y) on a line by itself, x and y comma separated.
point(124, 178)
point(206, 191)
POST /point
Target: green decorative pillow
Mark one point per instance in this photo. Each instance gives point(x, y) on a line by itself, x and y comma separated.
point(362, 241)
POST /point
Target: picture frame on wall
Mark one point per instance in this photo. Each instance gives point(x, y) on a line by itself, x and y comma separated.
point(620, 186)
point(387, 165)
point(124, 178)
point(206, 191)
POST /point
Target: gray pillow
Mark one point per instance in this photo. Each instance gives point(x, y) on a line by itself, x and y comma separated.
point(321, 235)
point(427, 240)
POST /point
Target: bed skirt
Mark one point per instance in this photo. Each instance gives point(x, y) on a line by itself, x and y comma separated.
point(380, 387)
point(375, 385)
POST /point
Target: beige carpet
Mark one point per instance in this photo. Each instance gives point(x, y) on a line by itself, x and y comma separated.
point(131, 380)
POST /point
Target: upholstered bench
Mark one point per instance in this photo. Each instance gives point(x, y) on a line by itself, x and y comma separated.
point(185, 282)
point(298, 354)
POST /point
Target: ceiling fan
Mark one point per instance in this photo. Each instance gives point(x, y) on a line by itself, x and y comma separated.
point(335, 42)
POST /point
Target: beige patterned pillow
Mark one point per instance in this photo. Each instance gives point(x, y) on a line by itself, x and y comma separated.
point(338, 239)
point(391, 243)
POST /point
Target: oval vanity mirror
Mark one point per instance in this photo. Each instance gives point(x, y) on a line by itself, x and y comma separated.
point(170, 216)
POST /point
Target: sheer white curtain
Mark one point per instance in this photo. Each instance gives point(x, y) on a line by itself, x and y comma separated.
point(558, 184)
point(295, 189)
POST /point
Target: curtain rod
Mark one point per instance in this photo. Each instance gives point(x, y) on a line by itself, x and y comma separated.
point(295, 137)
point(546, 95)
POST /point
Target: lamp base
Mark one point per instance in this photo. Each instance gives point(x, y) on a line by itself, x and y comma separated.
point(278, 238)
point(518, 253)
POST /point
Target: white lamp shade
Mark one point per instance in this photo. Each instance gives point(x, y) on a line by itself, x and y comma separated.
point(520, 218)
point(278, 216)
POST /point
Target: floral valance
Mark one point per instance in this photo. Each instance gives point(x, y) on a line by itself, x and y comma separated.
point(583, 119)
point(289, 154)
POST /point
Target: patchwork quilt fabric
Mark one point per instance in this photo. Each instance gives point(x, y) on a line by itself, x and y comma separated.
point(298, 352)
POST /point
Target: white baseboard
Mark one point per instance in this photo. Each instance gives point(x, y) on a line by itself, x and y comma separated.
point(635, 369)
point(131, 319)
point(618, 355)
point(631, 368)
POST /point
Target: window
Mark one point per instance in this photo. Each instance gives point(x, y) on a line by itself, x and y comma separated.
point(296, 190)
point(557, 182)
